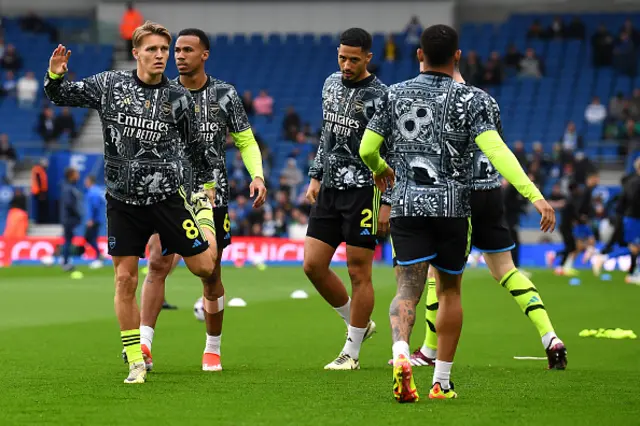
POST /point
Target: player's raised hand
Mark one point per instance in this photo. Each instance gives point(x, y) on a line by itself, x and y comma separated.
point(313, 190)
point(548, 220)
point(59, 60)
point(383, 220)
point(257, 185)
point(385, 179)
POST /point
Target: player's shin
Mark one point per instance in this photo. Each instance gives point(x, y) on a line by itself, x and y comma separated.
point(448, 324)
point(126, 282)
point(213, 315)
point(317, 257)
point(430, 345)
point(402, 313)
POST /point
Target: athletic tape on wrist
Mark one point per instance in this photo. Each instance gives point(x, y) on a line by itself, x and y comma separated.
point(214, 306)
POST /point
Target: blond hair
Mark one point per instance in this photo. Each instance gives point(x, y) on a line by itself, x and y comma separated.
point(149, 28)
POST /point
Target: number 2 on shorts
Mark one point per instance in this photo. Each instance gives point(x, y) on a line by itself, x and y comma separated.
point(366, 219)
point(191, 229)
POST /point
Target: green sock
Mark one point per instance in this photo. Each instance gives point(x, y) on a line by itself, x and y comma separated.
point(527, 297)
point(431, 338)
point(131, 343)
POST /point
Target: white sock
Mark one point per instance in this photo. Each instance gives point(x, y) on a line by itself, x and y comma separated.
point(400, 348)
point(568, 264)
point(442, 374)
point(428, 352)
point(213, 345)
point(345, 311)
point(146, 335)
point(354, 341)
point(547, 338)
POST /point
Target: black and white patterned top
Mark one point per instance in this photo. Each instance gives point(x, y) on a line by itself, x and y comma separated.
point(152, 142)
point(220, 110)
point(346, 109)
point(431, 123)
point(485, 176)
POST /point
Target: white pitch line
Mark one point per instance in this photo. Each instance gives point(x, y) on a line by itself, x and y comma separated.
point(534, 358)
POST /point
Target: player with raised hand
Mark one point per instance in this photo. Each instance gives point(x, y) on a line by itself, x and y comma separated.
point(151, 132)
point(431, 123)
point(220, 109)
point(347, 207)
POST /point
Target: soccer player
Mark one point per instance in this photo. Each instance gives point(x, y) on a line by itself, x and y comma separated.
point(347, 207)
point(150, 130)
point(94, 201)
point(630, 208)
point(431, 122)
point(492, 237)
point(220, 110)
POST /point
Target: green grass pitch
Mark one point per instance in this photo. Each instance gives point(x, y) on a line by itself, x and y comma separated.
point(60, 356)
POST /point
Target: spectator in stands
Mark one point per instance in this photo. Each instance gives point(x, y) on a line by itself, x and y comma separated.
point(630, 137)
point(64, 124)
point(567, 178)
point(582, 167)
point(571, 141)
point(11, 60)
point(576, 29)
point(471, 69)
point(595, 113)
point(33, 23)
point(531, 65)
point(538, 155)
point(616, 107)
point(131, 19)
point(269, 224)
point(17, 222)
point(247, 102)
point(602, 46)
point(263, 104)
point(413, 32)
point(556, 198)
point(8, 155)
point(390, 53)
point(70, 212)
point(2, 47)
point(556, 30)
point(298, 227)
point(9, 84)
point(624, 55)
point(536, 31)
point(280, 219)
point(291, 124)
point(46, 125)
point(631, 31)
point(493, 70)
point(291, 176)
point(27, 91)
point(40, 190)
point(282, 201)
point(513, 57)
point(520, 153)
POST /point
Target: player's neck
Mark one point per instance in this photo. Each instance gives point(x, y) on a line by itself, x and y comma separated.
point(447, 69)
point(364, 75)
point(147, 78)
point(195, 81)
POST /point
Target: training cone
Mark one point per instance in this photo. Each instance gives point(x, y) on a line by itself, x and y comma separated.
point(605, 277)
point(299, 294)
point(574, 281)
point(237, 303)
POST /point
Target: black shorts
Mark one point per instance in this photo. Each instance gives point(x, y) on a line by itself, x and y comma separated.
point(568, 239)
point(349, 216)
point(129, 227)
point(490, 231)
point(223, 227)
point(444, 242)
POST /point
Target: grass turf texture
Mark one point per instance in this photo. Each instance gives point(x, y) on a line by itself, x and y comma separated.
point(60, 356)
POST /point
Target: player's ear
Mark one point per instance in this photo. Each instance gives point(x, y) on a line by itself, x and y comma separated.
point(205, 55)
point(420, 55)
point(457, 55)
point(134, 51)
point(369, 56)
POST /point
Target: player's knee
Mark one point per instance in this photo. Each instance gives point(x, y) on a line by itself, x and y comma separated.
point(160, 265)
point(312, 268)
point(360, 274)
point(212, 290)
point(202, 266)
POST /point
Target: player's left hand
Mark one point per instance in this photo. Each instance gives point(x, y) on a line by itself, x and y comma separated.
point(383, 220)
point(258, 185)
point(385, 179)
point(548, 221)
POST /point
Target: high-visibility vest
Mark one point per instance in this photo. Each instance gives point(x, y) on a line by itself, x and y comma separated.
point(131, 20)
point(17, 224)
point(39, 182)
